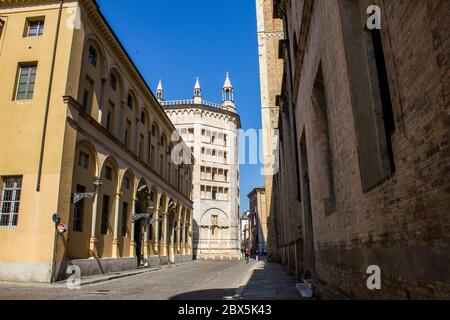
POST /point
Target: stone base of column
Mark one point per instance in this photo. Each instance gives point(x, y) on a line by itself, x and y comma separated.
point(115, 249)
point(155, 248)
point(133, 249)
point(164, 249)
point(92, 248)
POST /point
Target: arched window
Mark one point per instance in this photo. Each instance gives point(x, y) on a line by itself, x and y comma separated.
point(130, 101)
point(113, 82)
point(92, 56)
point(163, 141)
point(153, 130)
point(143, 117)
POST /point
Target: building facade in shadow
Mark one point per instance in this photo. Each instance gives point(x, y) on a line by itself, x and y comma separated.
point(363, 145)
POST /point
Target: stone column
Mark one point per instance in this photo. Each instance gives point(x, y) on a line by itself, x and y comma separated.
point(93, 238)
point(146, 241)
point(164, 249)
point(179, 222)
point(156, 217)
point(183, 234)
point(191, 233)
point(132, 240)
point(185, 237)
point(115, 249)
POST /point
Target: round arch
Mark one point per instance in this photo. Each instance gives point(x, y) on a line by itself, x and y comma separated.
point(114, 70)
point(93, 152)
point(208, 213)
point(92, 40)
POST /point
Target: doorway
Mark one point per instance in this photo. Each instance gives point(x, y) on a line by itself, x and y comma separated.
point(138, 234)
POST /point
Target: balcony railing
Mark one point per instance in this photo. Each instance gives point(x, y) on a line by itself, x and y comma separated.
point(189, 102)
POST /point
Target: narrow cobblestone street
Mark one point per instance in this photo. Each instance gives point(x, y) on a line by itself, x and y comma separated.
point(200, 280)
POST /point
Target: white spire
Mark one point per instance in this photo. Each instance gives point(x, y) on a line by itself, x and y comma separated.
point(197, 85)
point(160, 86)
point(160, 91)
point(197, 92)
point(227, 84)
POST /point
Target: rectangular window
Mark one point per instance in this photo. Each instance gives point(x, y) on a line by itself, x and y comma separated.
point(26, 81)
point(110, 117)
point(9, 209)
point(141, 146)
point(78, 215)
point(170, 173)
point(152, 157)
point(371, 99)
point(105, 215)
point(35, 27)
point(124, 218)
point(83, 160)
point(87, 95)
point(127, 133)
point(149, 150)
point(323, 143)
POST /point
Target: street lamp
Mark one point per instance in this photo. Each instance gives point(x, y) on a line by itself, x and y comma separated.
point(147, 216)
point(77, 197)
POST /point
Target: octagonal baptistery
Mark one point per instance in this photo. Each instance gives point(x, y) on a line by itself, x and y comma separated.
point(210, 132)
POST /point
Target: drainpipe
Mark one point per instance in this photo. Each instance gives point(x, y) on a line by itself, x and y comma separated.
point(49, 93)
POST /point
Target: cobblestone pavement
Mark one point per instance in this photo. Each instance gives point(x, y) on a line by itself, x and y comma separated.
point(199, 280)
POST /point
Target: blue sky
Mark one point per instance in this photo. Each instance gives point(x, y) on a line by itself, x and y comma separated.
point(178, 40)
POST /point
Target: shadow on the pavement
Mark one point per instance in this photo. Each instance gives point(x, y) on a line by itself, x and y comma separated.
point(271, 281)
point(211, 294)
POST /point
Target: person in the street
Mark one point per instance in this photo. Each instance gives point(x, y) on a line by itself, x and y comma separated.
point(247, 256)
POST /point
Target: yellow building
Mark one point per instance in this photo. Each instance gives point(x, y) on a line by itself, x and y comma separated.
point(82, 136)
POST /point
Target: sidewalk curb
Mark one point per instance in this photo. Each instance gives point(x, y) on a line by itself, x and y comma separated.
point(114, 276)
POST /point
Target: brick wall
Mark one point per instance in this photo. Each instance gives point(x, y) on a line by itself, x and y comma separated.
point(402, 224)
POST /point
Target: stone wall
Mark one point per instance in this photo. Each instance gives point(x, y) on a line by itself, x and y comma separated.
point(400, 224)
